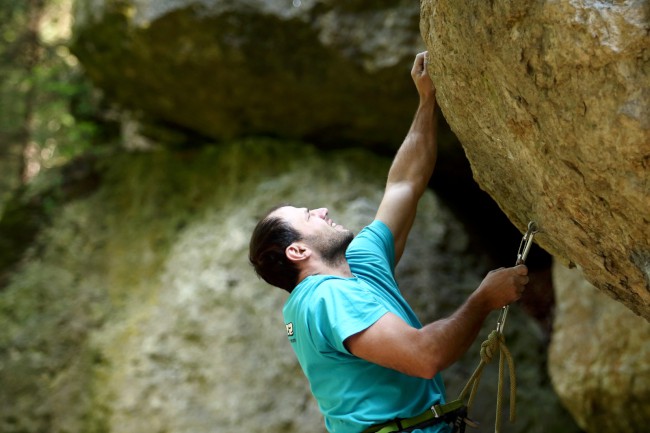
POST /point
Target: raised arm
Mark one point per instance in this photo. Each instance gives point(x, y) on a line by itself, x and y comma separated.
point(413, 164)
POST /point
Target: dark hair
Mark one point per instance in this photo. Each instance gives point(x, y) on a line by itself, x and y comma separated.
point(269, 240)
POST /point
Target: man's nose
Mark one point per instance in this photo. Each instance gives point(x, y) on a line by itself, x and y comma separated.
point(321, 212)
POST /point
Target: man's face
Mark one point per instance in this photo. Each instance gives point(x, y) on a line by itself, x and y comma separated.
point(329, 239)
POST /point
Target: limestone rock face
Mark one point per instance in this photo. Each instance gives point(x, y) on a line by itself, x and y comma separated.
point(137, 311)
point(333, 72)
point(551, 101)
point(603, 378)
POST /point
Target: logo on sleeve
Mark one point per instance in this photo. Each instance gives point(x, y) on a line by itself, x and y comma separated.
point(290, 334)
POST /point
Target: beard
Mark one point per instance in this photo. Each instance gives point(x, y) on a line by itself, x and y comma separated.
point(332, 249)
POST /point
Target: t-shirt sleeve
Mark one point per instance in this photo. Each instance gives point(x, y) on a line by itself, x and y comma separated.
point(343, 308)
point(371, 255)
point(374, 242)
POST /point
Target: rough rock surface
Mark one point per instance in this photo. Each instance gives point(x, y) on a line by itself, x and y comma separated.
point(604, 377)
point(136, 310)
point(551, 101)
point(331, 71)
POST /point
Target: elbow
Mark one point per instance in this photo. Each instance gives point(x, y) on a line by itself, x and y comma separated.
point(426, 373)
point(432, 371)
point(427, 358)
point(428, 368)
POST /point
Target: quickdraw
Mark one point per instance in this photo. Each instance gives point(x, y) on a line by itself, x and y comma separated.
point(522, 254)
point(496, 343)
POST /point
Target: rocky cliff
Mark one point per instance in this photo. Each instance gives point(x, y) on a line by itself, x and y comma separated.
point(551, 101)
point(330, 72)
point(601, 378)
point(131, 307)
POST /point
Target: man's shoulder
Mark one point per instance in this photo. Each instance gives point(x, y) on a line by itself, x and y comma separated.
point(318, 286)
point(374, 240)
point(376, 233)
point(378, 228)
point(326, 286)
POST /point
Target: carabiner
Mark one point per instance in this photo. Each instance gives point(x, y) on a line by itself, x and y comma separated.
point(522, 254)
point(526, 243)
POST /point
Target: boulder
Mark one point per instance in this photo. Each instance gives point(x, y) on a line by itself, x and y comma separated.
point(332, 72)
point(602, 378)
point(551, 103)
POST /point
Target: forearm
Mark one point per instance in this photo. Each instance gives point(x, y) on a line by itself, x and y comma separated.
point(416, 157)
point(447, 340)
point(413, 164)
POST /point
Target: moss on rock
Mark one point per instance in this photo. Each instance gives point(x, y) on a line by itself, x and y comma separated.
point(244, 72)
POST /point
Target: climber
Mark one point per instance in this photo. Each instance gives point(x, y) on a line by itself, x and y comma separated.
point(368, 359)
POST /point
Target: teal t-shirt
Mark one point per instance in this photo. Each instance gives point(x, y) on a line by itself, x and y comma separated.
point(324, 310)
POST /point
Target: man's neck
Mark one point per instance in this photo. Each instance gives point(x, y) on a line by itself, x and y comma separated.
point(339, 269)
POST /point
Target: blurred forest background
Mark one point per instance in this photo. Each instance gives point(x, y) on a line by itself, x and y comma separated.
point(49, 112)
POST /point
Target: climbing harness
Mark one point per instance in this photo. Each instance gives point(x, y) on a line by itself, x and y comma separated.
point(455, 412)
point(496, 342)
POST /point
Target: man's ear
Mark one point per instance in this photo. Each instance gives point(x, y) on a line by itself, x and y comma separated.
point(297, 252)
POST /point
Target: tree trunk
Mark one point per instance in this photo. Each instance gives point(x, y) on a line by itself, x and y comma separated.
point(33, 51)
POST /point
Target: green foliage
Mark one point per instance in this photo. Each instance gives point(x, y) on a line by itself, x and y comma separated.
point(49, 112)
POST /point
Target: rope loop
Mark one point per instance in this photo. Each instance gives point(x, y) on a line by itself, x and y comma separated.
point(491, 346)
point(495, 343)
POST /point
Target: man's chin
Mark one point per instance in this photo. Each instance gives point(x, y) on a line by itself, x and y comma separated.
point(342, 229)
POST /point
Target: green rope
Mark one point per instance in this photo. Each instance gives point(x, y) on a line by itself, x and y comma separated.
point(495, 341)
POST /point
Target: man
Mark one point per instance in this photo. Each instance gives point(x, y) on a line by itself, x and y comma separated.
point(367, 357)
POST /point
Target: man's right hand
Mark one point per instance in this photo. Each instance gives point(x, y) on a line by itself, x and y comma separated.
point(502, 286)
